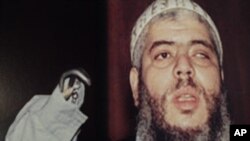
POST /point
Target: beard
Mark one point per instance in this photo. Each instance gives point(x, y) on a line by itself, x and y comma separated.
point(152, 125)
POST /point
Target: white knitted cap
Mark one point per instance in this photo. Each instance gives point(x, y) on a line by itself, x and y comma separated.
point(160, 6)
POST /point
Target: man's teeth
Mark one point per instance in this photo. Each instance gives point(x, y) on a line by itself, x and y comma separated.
point(186, 97)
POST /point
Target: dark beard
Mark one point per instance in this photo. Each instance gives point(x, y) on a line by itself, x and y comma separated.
point(152, 127)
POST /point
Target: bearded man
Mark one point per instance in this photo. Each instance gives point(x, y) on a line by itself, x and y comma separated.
point(177, 76)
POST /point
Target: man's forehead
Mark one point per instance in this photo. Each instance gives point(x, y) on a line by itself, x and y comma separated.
point(183, 22)
point(175, 31)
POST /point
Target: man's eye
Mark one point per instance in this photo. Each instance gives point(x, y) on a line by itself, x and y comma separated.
point(202, 56)
point(161, 56)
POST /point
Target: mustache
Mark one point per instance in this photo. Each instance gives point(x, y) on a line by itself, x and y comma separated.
point(185, 82)
point(181, 83)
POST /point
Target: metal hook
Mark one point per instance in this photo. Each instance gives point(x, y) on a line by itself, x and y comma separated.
point(75, 77)
point(81, 74)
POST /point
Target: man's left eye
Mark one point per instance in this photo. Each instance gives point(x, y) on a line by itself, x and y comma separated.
point(202, 56)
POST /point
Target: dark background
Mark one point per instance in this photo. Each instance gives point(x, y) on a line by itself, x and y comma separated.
point(40, 39)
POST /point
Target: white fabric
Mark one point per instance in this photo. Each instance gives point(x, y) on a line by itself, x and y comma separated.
point(47, 118)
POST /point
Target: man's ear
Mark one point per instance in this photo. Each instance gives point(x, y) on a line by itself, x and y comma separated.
point(134, 82)
point(222, 75)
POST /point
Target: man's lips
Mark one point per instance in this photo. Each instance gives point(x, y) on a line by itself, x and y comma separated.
point(186, 98)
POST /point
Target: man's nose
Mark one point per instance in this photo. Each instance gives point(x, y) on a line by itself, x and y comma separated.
point(183, 68)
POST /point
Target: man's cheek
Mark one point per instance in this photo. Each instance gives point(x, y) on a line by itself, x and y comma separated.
point(210, 81)
point(158, 90)
point(158, 83)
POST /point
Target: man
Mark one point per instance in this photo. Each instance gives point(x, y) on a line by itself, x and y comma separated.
point(177, 76)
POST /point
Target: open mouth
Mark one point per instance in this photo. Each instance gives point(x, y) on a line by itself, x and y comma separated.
point(186, 99)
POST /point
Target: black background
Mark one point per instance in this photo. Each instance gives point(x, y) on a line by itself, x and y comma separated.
point(39, 40)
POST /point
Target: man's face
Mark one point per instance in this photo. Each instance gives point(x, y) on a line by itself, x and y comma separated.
point(180, 71)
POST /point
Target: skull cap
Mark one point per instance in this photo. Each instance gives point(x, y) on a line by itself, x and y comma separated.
point(162, 6)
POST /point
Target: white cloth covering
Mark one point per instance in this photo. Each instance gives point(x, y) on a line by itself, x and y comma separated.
point(47, 118)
